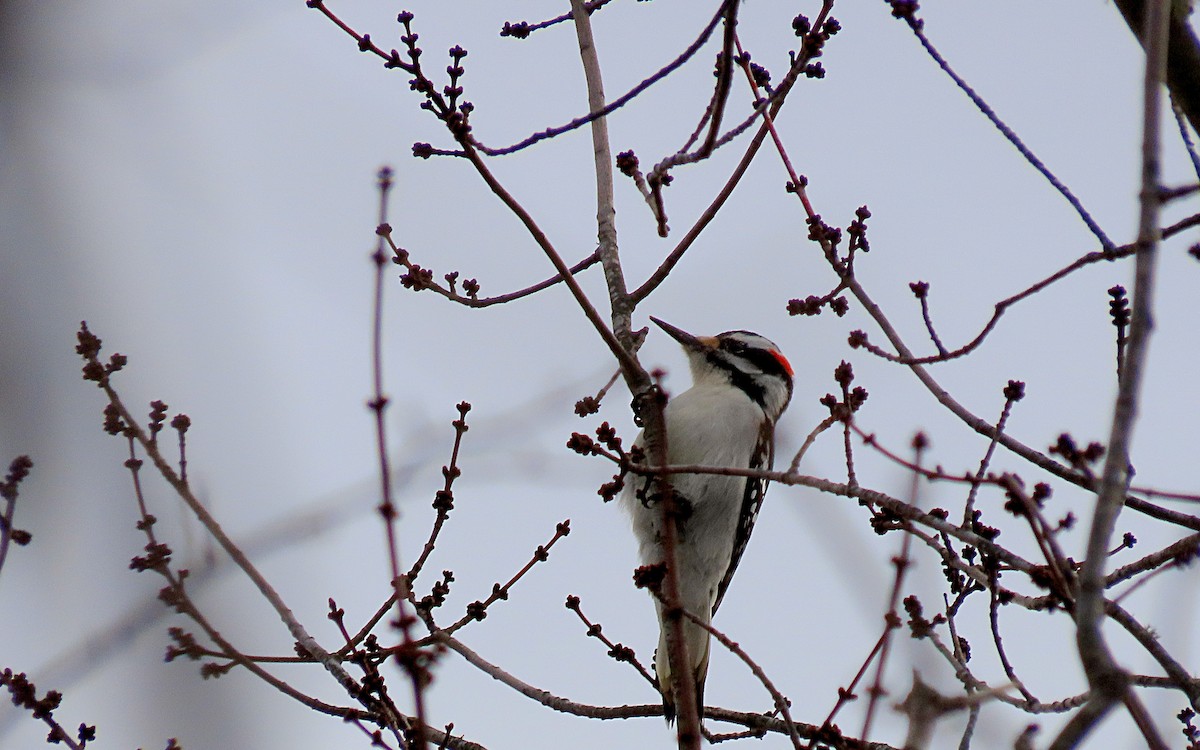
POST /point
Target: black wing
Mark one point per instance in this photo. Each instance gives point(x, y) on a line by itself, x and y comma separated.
point(752, 500)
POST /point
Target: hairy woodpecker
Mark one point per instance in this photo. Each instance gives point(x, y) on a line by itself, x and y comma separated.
point(741, 384)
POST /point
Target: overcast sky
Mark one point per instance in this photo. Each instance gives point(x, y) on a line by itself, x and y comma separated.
point(197, 181)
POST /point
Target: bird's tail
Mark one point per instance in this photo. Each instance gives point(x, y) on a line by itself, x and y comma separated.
point(697, 646)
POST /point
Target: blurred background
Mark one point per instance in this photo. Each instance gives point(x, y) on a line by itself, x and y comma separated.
point(196, 180)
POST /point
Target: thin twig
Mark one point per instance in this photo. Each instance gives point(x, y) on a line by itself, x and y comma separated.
point(18, 470)
point(628, 363)
point(994, 623)
point(522, 29)
point(1011, 397)
point(664, 269)
point(444, 499)
point(387, 506)
point(478, 610)
point(618, 651)
point(1001, 307)
point(846, 694)
point(724, 77)
point(825, 424)
point(401, 256)
point(1132, 502)
point(901, 509)
point(557, 703)
point(211, 525)
point(892, 618)
point(1184, 549)
point(595, 114)
point(781, 702)
point(929, 323)
point(1177, 675)
point(918, 30)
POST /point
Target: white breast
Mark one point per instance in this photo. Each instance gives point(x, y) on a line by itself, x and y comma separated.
point(708, 425)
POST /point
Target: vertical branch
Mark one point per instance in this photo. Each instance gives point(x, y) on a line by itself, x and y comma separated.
point(724, 78)
point(378, 403)
point(610, 260)
point(648, 397)
point(1107, 681)
point(892, 618)
point(410, 660)
point(682, 674)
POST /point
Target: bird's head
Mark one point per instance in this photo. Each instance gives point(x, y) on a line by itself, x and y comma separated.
point(743, 359)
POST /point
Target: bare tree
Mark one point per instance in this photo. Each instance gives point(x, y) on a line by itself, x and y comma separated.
point(999, 535)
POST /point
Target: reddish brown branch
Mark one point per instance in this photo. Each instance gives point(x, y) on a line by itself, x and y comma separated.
point(18, 470)
point(847, 694)
point(724, 77)
point(478, 610)
point(892, 618)
point(1001, 307)
point(24, 695)
point(122, 422)
point(410, 660)
point(564, 705)
point(443, 501)
point(615, 104)
point(423, 279)
point(617, 651)
point(782, 704)
point(660, 274)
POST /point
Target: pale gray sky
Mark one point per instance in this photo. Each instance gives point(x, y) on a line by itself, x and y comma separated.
point(197, 181)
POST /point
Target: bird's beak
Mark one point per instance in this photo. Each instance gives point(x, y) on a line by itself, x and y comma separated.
point(689, 341)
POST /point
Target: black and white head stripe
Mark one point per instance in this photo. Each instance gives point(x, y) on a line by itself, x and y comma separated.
point(758, 351)
point(752, 362)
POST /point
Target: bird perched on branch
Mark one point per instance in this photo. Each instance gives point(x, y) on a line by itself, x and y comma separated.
point(741, 384)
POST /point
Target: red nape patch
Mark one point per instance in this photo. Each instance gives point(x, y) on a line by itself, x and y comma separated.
point(783, 361)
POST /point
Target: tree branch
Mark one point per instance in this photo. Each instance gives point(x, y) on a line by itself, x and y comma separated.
point(1183, 54)
point(1106, 679)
